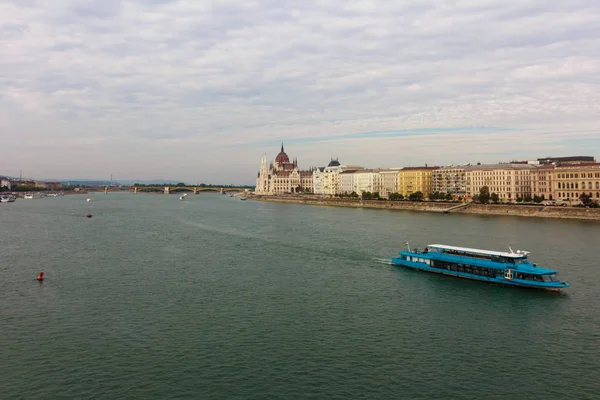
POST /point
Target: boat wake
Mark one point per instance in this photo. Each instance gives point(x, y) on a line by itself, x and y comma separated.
point(386, 261)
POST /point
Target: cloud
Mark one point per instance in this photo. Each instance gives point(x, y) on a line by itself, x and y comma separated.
point(198, 90)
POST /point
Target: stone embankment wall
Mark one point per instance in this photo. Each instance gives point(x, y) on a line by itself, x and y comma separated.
point(440, 207)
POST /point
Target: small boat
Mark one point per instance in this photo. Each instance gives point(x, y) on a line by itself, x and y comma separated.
point(183, 196)
point(243, 198)
point(28, 196)
point(505, 268)
point(7, 198)
point(88, 199)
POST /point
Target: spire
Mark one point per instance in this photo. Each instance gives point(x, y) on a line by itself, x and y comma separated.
point(282, 147)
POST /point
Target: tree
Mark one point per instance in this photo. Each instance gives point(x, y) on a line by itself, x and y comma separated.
point(519, 199)
point(538, 199)
point(586, 200)
point(494, 197)
point(354, 195)
point(528, 198)
point(416, 196)
point(475, 198)
point(448, 196)
point(396, 196)
point(484, 194)
point(375, 196)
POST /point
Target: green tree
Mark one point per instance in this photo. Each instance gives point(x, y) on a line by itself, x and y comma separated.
point(354, 195)
point(475, 198)
point(494, 197)
point(376, 196)
point(519, 199)
point(538, 199)
point(416, 196)
point(528, 198)
point(484, 194)
point(586, 200)
point(448, 196)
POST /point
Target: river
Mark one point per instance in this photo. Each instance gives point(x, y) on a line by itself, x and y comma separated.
point(213, 297)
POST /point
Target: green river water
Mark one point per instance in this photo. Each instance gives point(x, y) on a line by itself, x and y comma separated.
point(213, 297)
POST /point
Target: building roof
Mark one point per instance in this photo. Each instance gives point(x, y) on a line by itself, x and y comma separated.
point(577, 165)
point(488, 167)
point(334, 163)
point(419, 168)
point(478, 251)
point(282, 157)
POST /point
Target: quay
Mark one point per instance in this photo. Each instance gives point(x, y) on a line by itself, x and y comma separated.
point(539, 211)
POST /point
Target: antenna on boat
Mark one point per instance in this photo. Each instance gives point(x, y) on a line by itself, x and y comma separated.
point(511, 250)
point(407, 245)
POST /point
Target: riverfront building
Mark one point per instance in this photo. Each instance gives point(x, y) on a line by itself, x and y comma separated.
point(542, 181)
point(318, 180)
point(282, 176)
point(571, 180)
point(415, 179)
point(450, 179)
point(367, 180)
point(508, 181)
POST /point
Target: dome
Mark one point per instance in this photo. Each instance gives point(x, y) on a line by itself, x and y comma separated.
point(282, 158)
point(334, 163)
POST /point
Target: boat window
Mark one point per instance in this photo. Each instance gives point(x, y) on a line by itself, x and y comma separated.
point(546, 278)
point(553, 278)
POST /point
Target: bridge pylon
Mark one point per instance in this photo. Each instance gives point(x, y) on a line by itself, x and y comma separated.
point(167, 190)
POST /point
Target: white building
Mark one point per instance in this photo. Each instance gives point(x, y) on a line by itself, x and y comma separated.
point(389, 181)
point(282, 176)
point(367, 180)
point(347, 182)
point(332, 179)
point(5, 182)
point(318, 180)
point(508, 181)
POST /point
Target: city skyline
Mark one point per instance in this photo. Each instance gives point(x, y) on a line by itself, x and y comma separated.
point(199, 91)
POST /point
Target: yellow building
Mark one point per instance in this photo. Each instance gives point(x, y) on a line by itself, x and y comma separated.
point(571, 180)
point(415, 179)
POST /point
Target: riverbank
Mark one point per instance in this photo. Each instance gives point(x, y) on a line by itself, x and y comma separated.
point(539, 211)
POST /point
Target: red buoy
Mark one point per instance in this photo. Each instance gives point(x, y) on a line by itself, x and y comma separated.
point(40, 276)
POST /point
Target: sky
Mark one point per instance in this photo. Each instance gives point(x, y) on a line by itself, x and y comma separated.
point(199, 90)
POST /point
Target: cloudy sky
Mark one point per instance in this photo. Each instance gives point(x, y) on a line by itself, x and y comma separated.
point(198, 90)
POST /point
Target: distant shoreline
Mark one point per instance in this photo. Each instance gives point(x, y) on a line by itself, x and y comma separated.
point(537, 211)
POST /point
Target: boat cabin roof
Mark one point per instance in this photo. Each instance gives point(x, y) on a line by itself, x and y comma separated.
point(478, 251)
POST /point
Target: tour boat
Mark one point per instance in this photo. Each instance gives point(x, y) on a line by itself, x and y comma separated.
point(28, 196)
point(506, 268)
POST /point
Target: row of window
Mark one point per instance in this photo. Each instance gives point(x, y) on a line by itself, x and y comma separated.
point(575, 185)
point(490, 272)
point(469, 269)
point(566, 195)
point(583, 175)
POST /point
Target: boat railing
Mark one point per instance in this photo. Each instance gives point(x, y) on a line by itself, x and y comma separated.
point(461, 259)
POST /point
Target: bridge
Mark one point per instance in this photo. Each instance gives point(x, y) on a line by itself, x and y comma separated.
point(173, 189)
